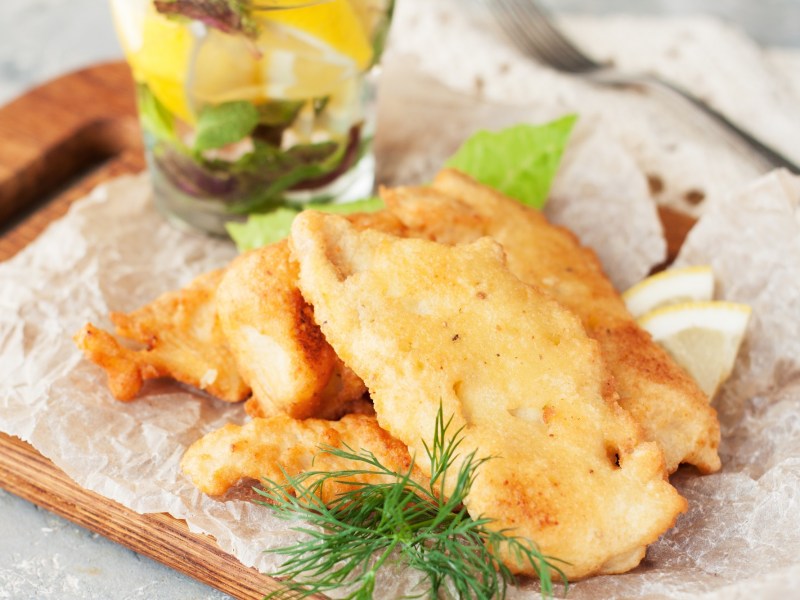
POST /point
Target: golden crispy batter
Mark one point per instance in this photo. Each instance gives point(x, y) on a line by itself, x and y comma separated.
point(429, 325)
point(278, 347)
point(660, 396)
point(263, 447)
point(182, 340)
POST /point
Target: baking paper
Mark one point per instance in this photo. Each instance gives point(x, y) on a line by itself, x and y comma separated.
point(457, 43)
point(741, 535)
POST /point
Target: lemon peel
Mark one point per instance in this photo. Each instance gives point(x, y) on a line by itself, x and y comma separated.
point(685, 284)
point(703, 337)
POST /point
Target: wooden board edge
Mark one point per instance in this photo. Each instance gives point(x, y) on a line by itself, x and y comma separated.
point(107, 130)
point(24, 472)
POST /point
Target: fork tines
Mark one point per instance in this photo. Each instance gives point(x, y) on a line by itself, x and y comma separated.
point(530, 28)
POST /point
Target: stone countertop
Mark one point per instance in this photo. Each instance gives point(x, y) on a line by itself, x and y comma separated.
point(42, 39)
point(44, 556)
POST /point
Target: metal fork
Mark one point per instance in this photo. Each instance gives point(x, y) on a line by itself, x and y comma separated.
point(531, 29)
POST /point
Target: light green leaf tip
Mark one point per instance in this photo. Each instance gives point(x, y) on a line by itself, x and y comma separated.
point(267, 228)
point(261, 229)
point(520, 161)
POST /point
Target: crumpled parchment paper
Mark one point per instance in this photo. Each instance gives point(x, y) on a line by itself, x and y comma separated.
point(457, 43)
point(740, 537)
point(422, 123)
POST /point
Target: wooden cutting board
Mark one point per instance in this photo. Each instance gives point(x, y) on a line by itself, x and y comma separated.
point(56, 143)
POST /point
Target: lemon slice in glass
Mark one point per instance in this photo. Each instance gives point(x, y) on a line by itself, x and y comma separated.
point(334, 25)
point(311, 52)
point(296, 67)
point(686, 284)
point(302, 53)
point(162, 61)
point(129, 18)
point(226, 68)
point(703, 337)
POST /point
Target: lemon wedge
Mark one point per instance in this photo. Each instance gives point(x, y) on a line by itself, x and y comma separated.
point(686, 284)
point(703, 337)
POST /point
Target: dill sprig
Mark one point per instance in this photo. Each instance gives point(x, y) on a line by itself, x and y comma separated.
point(354, 535)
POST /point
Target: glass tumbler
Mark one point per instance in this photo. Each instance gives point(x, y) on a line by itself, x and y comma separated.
point(247, 105)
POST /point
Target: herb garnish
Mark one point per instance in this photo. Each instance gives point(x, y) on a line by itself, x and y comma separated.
point(351, 538)
point(519, 161)
point(229, 16)
point(223, 124)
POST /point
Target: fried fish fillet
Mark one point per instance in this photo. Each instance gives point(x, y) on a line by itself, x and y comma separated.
point(659, 394)
point(428, 325)
point(182, 340)
point(278, 347)
point(268, 447)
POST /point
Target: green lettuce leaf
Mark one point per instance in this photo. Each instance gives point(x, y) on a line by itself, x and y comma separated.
point(261, 229)
point(520, 161)
point(347, 208)
point(267, 228)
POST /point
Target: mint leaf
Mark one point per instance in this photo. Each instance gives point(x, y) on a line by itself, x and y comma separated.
point(280, 170)
point(271, 194)
point(279, 112)
point(267, 228)
point(224, 124)
point(520, 161)
point(230, 16)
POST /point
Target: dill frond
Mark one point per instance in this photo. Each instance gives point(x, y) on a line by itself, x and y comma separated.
point(348, 541)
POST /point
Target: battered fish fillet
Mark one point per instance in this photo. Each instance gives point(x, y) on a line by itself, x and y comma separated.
point(659, 394)
point(182, 340)
point(429, 325)
point(265, 448)
point(278, 347)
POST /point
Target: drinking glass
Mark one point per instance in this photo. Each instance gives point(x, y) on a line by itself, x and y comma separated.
point(247, 105)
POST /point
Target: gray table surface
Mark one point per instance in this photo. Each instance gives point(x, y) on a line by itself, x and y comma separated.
point(41, 555)
point(44, 556)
